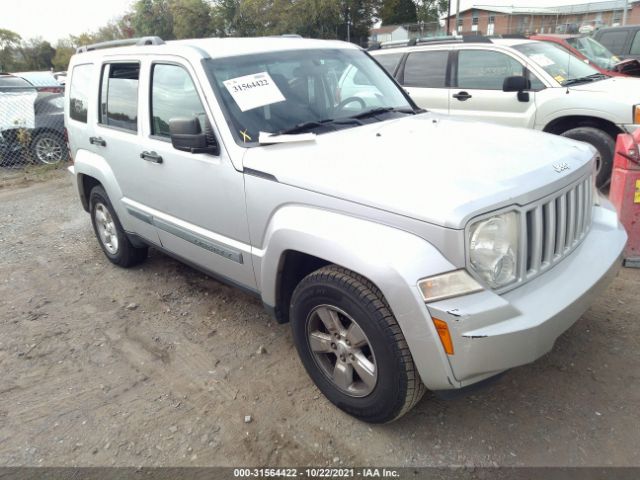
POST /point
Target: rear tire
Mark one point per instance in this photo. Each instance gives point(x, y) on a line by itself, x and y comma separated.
point(48, 148)
point(602, 142)
point(111, 236)
point(363, 365)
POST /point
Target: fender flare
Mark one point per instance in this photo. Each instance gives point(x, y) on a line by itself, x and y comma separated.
point(393, 259)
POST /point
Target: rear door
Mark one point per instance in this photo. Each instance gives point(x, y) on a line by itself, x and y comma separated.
point(424, 75)
point(476, 93)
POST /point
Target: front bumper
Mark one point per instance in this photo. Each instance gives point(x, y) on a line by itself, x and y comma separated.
point(492, 333)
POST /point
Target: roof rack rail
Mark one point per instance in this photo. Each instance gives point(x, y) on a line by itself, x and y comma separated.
point(141, 41)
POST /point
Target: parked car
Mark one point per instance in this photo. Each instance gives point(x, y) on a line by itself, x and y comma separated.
point(406, 249)
point(621, 41)
point(12, 83)
point(45, 141)
point(594, 53)
point(44, 82)
point(521, 83)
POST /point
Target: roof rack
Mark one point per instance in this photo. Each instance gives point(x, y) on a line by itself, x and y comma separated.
point(430, 41)
point(141, 41)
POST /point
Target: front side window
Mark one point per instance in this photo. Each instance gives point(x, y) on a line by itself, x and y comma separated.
point(324, 89)
point(614, 41)
point(173, 95)
point(594, 51)
point(79, 92)
point(426, 69)
point(635, 46)
point(119, 96)
point(486, 69)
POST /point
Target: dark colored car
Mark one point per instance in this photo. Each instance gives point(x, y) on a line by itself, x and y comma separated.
point(594, 53)
point(622, 41)
point(46, 141)
point(44, 82)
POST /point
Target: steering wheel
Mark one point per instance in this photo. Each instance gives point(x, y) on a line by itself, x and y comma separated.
point(349, 100)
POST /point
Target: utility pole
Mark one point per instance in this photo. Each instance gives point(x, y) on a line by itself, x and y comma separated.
point(449, 17)
point(457, 14)
point(624, 15)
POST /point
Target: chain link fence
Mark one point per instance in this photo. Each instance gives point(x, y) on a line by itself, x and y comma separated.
point(31, 120)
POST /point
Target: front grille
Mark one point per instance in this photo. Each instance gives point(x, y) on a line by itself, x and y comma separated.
point(554, 226)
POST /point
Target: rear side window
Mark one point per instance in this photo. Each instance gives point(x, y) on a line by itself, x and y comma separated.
point(426, 69)
point(173, 95)
point(79, 92)
point(485, 69)
point(119, 95)
point(614, 41)
point(389, 62)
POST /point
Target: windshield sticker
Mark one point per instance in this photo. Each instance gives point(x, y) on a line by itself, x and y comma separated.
point(253, 91)
point(542, 60)
point(559, 78)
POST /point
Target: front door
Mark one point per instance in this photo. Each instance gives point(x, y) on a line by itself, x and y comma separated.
point(476, 91)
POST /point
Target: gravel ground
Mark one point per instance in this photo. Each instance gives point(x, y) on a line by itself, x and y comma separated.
point(160, 365)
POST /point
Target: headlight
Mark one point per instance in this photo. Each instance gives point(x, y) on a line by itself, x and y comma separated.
point(493, 249)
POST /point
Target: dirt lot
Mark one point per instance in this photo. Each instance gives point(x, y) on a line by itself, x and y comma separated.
point(159, 365)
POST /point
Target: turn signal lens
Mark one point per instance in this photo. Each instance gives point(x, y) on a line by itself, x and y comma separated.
point(636, 114)
point(445, 336)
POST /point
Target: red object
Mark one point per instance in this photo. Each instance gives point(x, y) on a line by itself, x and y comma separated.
point(625, 192)
point(625, 68)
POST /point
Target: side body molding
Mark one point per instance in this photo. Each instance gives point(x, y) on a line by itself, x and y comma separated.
point(394, 260)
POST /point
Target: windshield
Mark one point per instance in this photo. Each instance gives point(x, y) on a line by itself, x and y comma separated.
point(564, 67)
point(594, 51)
point(276, 92)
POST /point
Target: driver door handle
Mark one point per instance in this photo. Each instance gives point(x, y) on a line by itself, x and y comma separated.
point(462, 96)
point(151, 157)
point(97, 141)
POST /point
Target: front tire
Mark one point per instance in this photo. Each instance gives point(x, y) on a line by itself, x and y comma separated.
point(602, 142)
point(111, 236)
point(352, 347)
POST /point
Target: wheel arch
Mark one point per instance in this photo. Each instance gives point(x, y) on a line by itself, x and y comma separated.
point(560, 125)
point(301, 239)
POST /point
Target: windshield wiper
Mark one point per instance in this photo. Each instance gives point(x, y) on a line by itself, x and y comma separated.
point(588, 78)
point(378, 110)
point(307, 126)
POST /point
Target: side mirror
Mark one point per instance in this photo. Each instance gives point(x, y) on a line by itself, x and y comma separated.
point(187, 136)
point(517, 84)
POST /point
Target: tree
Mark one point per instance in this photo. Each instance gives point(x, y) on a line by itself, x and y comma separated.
point(191, 18)
point(34, 54)
point(357, 17)
point(152, 17)
point(431, 10)
point(398, 12)
point(64, 50)
point(9, 41)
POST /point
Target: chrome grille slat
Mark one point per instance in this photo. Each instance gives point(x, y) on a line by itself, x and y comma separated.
point(553, 227)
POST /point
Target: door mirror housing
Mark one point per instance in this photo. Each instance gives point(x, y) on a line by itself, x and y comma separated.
point(518, 84)
point(187, 136)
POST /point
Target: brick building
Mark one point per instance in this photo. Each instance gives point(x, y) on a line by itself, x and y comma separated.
point(490, 20)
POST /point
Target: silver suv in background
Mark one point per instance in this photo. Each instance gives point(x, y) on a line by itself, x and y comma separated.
point(520, 83)
point(407, 250)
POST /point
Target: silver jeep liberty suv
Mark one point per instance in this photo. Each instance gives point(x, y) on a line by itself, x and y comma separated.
point(407, 250)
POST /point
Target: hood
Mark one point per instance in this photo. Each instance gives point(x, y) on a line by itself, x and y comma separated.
point(626, 89)
point(428, 167)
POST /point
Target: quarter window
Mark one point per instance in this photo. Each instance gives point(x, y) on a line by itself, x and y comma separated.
point(389, 61)
point(79, 92)
point(485, 70)
point(119, 95)
point(173, 95)
point(426, 69)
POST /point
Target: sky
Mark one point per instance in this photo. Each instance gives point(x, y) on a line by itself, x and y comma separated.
point(55, 19)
